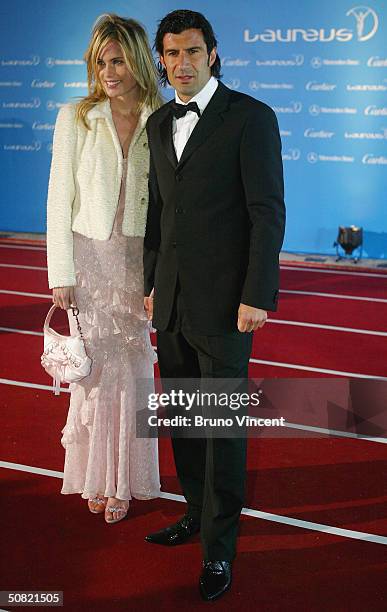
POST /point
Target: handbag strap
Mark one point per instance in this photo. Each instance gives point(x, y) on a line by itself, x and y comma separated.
point(75, 314)
point(48, 317)
point(51, 312)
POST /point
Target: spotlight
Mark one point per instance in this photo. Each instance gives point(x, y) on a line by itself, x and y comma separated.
point(349, 239)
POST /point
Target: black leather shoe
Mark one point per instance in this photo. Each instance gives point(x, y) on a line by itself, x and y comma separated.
point(215, 579)
point(178, 533)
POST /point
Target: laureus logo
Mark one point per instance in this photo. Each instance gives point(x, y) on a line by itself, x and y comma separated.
point(367, 22)
point(233, 83)
point(291, 155)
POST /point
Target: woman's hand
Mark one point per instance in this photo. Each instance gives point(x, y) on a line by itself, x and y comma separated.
point(64, 297)
point(148, 305)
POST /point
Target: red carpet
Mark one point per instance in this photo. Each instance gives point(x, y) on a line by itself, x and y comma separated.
point(274, 343)
point(279, 567)
point(23, 257)
point(34, 281)
point(330, 479)
point(322, 348)
point(335, 282)
point(19, 313)
point(328, 311)
point(53, 542)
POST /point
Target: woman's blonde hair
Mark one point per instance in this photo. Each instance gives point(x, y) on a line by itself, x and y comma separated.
point(133, 40)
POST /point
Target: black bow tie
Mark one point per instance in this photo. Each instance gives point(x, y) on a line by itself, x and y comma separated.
point(179, 110)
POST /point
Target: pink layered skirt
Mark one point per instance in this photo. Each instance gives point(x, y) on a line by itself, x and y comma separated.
point(103, 454)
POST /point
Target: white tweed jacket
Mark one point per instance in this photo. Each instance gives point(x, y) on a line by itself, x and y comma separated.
point(84, 185)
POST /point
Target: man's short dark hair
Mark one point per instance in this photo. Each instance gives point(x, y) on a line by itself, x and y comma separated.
point(175, 23)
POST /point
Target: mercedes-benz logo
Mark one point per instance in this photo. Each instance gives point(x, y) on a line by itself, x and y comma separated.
point(314, 110)
point(50, 62)
point(50, 105)
point(312, 157)
point(316, 62)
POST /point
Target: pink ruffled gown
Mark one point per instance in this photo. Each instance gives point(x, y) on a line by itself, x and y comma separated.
point(103, 454)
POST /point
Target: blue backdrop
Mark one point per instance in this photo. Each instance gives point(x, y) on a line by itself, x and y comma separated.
point(321, 66)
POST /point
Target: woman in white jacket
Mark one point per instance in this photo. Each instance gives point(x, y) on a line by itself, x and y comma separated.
point(97, 205)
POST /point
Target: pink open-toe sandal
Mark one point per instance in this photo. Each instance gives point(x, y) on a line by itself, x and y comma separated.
point(97, 504)
point(119, 509)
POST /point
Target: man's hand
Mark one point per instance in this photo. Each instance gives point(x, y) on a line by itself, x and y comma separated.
point(250, 318)
point(64, 297)
point(148, 305)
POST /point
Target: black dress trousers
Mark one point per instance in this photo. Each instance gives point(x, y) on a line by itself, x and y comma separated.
point(211, 470)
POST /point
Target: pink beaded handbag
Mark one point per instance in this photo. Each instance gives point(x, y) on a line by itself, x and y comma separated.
point(64, 357)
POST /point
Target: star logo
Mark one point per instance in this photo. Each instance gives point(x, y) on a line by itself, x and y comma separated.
point(314, 110)
point(312, 157)
point(316, 62)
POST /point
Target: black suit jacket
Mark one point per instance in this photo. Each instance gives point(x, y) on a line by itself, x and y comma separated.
point(216, 217)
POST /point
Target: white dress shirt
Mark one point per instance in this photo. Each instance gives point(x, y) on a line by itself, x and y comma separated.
point(182, 128)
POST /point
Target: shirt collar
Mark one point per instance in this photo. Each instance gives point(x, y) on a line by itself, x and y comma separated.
point(204, 96)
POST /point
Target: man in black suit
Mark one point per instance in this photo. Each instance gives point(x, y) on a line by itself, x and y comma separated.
point(214, 231)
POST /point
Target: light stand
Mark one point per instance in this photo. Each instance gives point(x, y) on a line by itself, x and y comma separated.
point(349, 239)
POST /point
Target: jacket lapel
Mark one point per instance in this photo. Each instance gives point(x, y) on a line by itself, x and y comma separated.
point(210, 120)
point(102, 110)
point(167, 138)
point(143, 118)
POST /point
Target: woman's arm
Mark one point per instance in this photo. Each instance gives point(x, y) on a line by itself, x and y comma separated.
point(61, 193)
